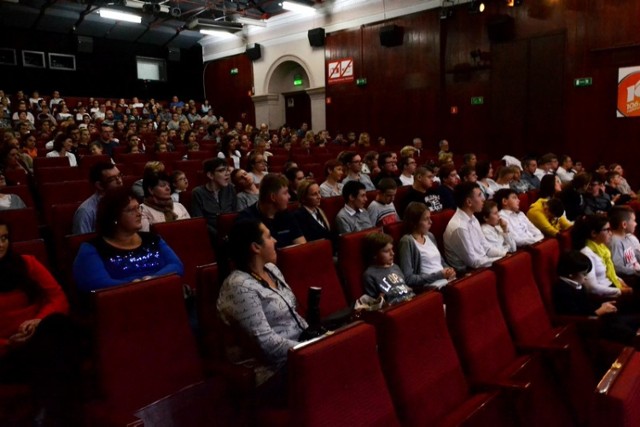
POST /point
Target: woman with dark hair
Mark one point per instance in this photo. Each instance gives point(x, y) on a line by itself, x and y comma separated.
point(420, 260)
point(228, 150)
point(121, 253)
point(484, 171)
point(189, 137)
point(256, 300)
point(158, 204)
point(311, 218)
point(592, 236)
point(547, 213)
point(11, 161)
point(62, 146)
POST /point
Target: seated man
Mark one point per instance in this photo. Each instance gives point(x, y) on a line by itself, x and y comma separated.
point(271, 210)
point(565, 171)
point(613, 182)
point(103, 176)
point(464, 243)
point(449, 179)
point(408, 165)
point(422, 191)
point(216, 196)
point(352, 217)
point(382, 211)
point(353, 164)
point(528, 174)
point(522, 230)
point(388, 168)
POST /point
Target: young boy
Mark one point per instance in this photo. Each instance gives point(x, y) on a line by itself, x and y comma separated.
point(383, 277)
point(382, 211)
point(522, 230)
point(352, 217)
point(623, 224)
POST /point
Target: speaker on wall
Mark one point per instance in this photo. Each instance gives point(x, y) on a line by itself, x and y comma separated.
point(316, 37)
point(85, 44)
point(501, 28)
point(174, 54)
point(391, 35)
point(254, 52)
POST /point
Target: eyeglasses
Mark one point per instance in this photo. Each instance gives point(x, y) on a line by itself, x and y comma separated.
point(606, 230)
point(133, 210)
point(356, 161)
point(223, 170)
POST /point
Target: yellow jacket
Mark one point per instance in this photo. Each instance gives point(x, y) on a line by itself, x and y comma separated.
point(549, 228)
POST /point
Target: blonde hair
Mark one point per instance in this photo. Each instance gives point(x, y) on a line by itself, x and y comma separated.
point(154, 166)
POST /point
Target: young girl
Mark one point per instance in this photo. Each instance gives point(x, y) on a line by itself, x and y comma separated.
point(495, 229)
point(383, 277)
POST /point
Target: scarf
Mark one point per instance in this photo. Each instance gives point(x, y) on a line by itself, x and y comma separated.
point(605, 255)
point(165, 207)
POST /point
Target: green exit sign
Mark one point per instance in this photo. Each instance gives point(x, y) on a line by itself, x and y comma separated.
point(361, 81)
point(234, 71)
point(477, 100)
point(583, 81)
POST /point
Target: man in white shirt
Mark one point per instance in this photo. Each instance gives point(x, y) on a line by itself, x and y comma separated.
point(545, 165)
point(522, 230)
point(565, 172)
point(465, 246)
point(408, 165)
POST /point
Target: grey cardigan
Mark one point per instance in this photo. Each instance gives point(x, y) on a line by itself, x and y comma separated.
point(409, 260)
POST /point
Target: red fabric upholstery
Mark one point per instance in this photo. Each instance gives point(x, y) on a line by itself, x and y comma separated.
point(185, 199)
point(524, 202)
point(168, 158)
point(564, 238)
point(45, 175)
point(423, 371)
point(544, 256)
point(351, 263)
point(311, 265)
point(620, 407)
point(22, 222)
point(33, 247)
point(145, 348)
point(200, 155)
point(397, 201)
point(189, 239)
point(130, 157)
point(57, 193)
point(61, 226)
point(190, 169)
point(86, 162)
point(331, 206)
point(49, 162)
point(338, 381)
point(396, 230)
point(208, 288)
point(439, 221)
point(225, 223)
point(20, 190)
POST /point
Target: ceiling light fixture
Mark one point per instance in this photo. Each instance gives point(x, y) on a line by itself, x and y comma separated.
point(119, 16)
point(298, 7)
point(212, 24)
point(476, 6)
point(217, 33)
point(249, 21)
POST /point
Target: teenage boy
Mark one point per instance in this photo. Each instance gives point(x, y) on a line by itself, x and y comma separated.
point(353, 217)
point(521, 229)
point(622, 220)
point(382, 211)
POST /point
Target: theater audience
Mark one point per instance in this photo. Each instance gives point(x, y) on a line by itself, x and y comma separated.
point(370, 165)
point(495, 228)
point(381, 210)
point(120, 253)
point(332, 186)
point(484, 170)
point(103, 176)
point(597, 201)
point(257, 166)
point(565, 171)
point(256, 303)
point(611, 188)
point(418, 256)
point(464, 242)
point(388, 169)
point(573, 196)
point(408, 167)
point(158, 204)
point(228, 150)
point(271, 210)
point(153, 166)
point(521, 229)
point(215, 197)
point(623, 185)
point(311, 218)
point(295, 177)
point(468, 174)
point(353, 217)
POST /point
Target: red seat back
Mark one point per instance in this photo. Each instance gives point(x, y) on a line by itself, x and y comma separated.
point(130, 158)
point(225, 223)
point(208, 288)
point(145, 348)
point(338, 381)
point(396, 230)
point(477, 326)
point(400, 194)
point(439, 221)
point(521, 302)
point(19, 190)
point(565, 241)
point(33, 247)
point(351, 263)
point(331, 206)
point(189, 239)
point(58, 193)
point(22, 222)
point(524, 202)
point(311, 265)
point(46, 175)
point(545, 257)
point(49, 162)
point(86, 162)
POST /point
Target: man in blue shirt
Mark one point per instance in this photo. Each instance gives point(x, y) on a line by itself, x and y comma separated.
point(103, 176)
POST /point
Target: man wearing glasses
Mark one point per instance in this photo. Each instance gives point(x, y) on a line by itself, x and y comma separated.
point(353, 163)
point(103, 176)
point(216, 196)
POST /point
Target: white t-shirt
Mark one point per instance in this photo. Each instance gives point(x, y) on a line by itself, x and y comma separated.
point(70, 156)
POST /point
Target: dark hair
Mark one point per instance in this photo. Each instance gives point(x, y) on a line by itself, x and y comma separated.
point(584, 227)
point(291, 173)
point(382, 159)
point(404, 161)
point(555, 207)
point(346, 157)
point(373, 243)
point(573, 262)
point(581, 180)
point(152, 179)
point(95, 173)
point(482, 169)
point(211, 165)
point(466, 170)
point(110, 208)
point(618, 215)
point(386, 184)
point(330, 165)
point(58, 142)
point(352, 189)
point(445, 171)
point(467, 158)
point(612, 174)
point(15, 275)
point(486, 210)
point(174, 178)
point(243, 234)
point(463, 191)
point(187, 134)
point(413, 213)
point(501, 195)
point(251, 162)
point(547, 186)
point(226, 143)
point(271, 184)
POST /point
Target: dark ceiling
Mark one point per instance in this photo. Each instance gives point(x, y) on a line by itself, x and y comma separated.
point(80, 17)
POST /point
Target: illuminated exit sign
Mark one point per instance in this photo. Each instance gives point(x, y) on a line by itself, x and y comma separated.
point(583, 82)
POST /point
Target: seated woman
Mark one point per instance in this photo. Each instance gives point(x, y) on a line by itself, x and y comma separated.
point(256, 300)
point(158, 204)
point(12, 162)
point(420, 261)
point(541, 212)
point(121, 253)
point(312, 220)
point(28, 145)
point(495, 228)
point(62, 146)
point(484, 171)
point(332, 186)
point(228, 150)
point(570, 298)
point(505, 176)
point(8, 200)
point(591, 236)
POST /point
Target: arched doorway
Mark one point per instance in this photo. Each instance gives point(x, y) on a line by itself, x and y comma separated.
point(289, 81)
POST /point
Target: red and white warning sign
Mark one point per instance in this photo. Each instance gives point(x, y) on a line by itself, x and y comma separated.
point(340, 71)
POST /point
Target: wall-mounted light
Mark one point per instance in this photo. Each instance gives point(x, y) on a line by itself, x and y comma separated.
point(117, 15)
point(476, 6)
point(298, 6)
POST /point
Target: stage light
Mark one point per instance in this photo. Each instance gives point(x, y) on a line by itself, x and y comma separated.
point(119, 16)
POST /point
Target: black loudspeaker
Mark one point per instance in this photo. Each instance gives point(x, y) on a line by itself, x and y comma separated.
point(174, 54)
point(501, 28)
point(316, 37)
point(254, 52)
point(391, 35)
point(85, 44)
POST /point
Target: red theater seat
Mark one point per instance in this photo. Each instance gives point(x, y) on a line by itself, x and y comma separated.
point(423, 371)
point(351, 263)
point(22, 222)
point(338, 381)
point(311, 265)
point(396, 230)
point(145, 348)
point(331, 206)
point(439, 222)
point(58, 193)
point(32, 247)
point(46, 175)
point(20, 190)
point(564, 238)
point(49, 162)
point(86, 162)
